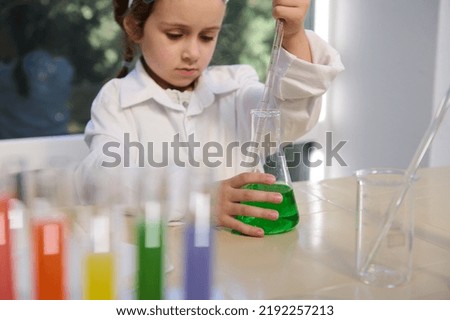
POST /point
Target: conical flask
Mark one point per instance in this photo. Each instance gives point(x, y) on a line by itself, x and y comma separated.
point(271, 159)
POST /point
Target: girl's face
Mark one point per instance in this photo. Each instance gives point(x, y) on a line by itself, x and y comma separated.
point(179, 39)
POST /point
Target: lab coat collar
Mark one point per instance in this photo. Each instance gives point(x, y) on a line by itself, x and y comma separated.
point(138, 87)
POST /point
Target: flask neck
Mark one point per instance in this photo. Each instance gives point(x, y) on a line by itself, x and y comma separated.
point(266, 139)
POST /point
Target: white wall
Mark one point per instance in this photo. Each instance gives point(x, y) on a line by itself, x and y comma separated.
point(440, 150)
point(383, 102)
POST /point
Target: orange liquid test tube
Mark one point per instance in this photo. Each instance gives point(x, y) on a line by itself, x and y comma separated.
point(6, 272)
point(48, 239)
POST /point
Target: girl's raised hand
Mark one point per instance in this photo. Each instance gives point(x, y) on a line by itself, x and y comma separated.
point(229, 198)
point(293, 14)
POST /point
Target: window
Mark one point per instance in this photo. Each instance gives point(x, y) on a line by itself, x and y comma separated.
point(56, 55)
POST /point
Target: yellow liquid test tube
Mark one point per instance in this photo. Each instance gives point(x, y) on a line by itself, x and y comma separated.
point(99, 263)
point(99, 279)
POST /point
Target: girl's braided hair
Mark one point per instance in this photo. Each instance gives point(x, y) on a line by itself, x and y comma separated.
point(139, 11)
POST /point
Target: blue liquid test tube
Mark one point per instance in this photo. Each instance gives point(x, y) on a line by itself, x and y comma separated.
point(198, 249)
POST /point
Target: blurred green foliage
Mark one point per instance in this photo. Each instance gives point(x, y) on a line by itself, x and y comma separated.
point(246, 35)
point(85, 32)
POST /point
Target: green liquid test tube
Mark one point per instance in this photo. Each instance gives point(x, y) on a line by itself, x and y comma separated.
point(150, 261)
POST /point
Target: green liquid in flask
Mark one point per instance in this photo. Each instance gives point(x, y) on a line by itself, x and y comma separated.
point(287, 209)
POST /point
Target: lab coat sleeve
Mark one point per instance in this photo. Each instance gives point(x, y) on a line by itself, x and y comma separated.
point(105, 134)
point(301, 84)
point(108, 123)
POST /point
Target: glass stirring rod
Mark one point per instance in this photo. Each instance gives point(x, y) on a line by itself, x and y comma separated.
point(409, 175)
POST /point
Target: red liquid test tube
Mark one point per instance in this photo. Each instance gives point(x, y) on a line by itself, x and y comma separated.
point(6, 268)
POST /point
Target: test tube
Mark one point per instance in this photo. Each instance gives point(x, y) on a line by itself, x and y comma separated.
point(48, 235)
point(150, 237)
point(100, 260)
point(98, 236)
point(199, 239)
point(11, 229)
point(6, 267)
point(48, 238)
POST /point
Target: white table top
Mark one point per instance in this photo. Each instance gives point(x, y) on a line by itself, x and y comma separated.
point(316, 260)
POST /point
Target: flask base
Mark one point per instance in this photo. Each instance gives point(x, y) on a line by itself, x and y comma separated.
point(287, 210)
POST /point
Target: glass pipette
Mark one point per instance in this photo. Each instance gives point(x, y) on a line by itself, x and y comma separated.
point(410, 174)
point(266, 102)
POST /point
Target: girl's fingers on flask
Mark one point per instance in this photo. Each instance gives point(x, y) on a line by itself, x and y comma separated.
point(241, 195)
point(256, 212)
point(232, 223)
point(251, 177)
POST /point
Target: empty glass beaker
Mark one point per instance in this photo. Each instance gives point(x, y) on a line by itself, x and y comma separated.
point(390, 264)
point(271, 159)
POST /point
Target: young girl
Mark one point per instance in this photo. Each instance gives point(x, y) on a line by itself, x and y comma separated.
point(172, 97)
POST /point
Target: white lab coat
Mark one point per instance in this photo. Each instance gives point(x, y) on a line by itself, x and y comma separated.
point(136, 109)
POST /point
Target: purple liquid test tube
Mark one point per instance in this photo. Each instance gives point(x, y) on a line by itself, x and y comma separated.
point(198, 251)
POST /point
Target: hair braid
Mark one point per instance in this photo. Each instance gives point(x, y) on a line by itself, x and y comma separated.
point(139, 11)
